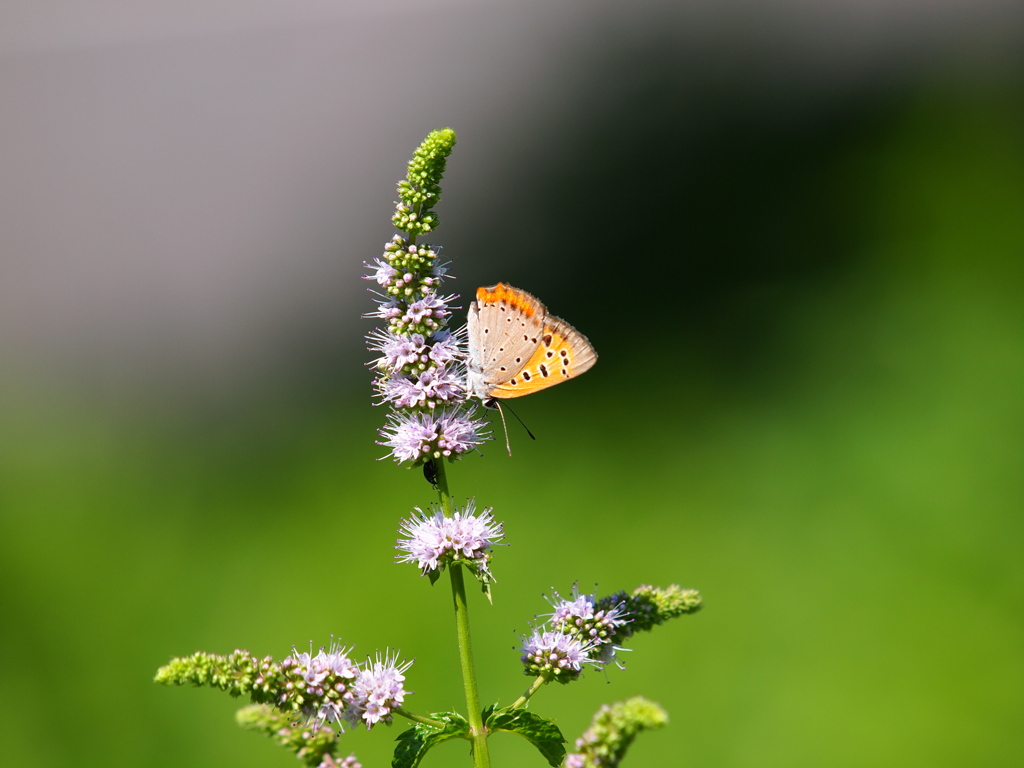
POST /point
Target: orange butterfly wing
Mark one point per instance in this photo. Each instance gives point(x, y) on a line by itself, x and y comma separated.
point(562, 353)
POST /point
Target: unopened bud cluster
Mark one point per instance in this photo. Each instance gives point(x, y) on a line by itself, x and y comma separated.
point(648, 606)
point(420, 190)
point(612, 731)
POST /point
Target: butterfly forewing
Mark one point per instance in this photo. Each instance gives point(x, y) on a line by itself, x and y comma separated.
point(505, 324)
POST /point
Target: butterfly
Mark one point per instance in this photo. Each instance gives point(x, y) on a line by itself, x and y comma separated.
point(517, 348)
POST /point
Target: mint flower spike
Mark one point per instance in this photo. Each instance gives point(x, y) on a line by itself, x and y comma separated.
point(317, 687)
point(434, 541)
point(588, 630)
point(421, 364)
point(612, 732)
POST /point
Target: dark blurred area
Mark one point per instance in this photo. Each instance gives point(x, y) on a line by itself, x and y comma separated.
point(793, 231)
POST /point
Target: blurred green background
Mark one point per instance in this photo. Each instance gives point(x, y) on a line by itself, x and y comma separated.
point(808, 306)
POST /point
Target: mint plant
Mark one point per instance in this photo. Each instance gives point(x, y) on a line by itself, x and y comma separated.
point(305, 701)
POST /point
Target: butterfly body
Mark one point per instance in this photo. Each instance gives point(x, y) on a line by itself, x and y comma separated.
point(517, 348)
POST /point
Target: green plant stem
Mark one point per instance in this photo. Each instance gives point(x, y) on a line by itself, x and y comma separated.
point(478, 734)
point(537, 684)
point(417, 718)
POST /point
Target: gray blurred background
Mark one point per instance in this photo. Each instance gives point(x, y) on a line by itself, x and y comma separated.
point(188, 189)
point(793, 230)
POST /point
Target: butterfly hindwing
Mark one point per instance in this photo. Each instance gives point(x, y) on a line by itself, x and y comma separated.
point(563, 353)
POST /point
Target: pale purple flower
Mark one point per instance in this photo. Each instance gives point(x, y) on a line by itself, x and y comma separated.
point(337, 662)
point(386, 310)
point(430, 311)
point(420, 436)
point(402, 392)
point(608, 654)
point(581, 607)
point(399, 352)
point(411, 437)
point(322, 682)
point(573, 760)
point(383, 272)
point(433, 540)
point(447, 347)
point(583, 617)
point(377, 691)
point(555, 655)
point(439, 383)
point(458, 432)
point(431, 388)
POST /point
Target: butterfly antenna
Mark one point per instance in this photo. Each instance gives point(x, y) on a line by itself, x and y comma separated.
point(532, 436)
point(504, 426)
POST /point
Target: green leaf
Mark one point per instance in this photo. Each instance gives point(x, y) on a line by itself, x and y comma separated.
point(414, 743)
point(540, 732)
point(434, 575)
